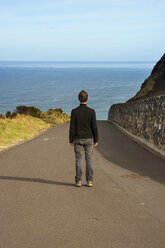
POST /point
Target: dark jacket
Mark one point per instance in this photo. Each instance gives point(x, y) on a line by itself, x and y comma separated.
point(83, 124)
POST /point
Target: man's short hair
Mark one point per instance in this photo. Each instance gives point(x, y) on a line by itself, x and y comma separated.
point(83, 96)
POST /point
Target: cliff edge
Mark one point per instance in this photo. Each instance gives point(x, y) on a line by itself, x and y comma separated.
point(154, 85)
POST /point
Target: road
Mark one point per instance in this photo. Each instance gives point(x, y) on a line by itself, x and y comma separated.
point(40, 207)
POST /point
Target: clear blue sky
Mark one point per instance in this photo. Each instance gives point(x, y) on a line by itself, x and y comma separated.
point(82, 30)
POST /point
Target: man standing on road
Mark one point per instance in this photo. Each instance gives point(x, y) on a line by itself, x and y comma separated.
point(83, 135)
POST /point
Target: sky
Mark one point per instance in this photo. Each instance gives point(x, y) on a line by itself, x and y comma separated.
point(82, 30)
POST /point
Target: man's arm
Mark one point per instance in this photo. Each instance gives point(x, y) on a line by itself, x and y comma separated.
point(72, 128)
point(94, 128)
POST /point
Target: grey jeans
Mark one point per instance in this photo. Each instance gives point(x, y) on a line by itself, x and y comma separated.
point(85, 145)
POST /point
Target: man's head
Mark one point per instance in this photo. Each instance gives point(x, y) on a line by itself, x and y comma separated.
point(83, 96)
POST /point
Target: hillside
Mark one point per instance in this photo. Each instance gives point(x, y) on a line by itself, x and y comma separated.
point(27, 122)
point(154, 85)
point(22, 127)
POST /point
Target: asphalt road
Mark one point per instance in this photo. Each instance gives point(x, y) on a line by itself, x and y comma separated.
point(41, 208)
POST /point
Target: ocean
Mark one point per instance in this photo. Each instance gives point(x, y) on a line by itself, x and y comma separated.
point(57, 84)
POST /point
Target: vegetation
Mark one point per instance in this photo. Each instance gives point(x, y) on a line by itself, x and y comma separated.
point(26, 122)
point(147, 86)
point(33, 111)
point(11, 115)
point(2, 116)
point(154, 85)
point(20, 128)
point(55, 116)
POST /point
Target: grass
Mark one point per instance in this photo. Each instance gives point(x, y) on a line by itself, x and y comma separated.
point(23, 127)
point(147, 87)
point(54, 117)
point(28, 123)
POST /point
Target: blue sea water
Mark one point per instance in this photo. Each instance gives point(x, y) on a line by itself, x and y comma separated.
point(57, 84)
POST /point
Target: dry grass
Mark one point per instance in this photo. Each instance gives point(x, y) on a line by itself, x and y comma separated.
point(23, 127)
point(55, 117)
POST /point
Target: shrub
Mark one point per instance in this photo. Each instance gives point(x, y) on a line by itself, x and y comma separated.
point(33, 111)
point(8, 114)
point(2, 116)
point(42, 115)
point(21, 109)
point(14, 114)
point(57, 111)
point(50, 111)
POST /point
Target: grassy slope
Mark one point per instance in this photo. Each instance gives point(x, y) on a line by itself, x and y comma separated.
point(20, 128)
point(154, 85)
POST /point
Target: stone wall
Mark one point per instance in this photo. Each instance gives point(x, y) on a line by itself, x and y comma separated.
point(144, 119)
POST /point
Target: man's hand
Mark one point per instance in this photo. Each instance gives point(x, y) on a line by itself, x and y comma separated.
point(71, 144)
point(96, 143)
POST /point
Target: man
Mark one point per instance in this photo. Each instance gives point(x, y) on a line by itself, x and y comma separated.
point(83, 135)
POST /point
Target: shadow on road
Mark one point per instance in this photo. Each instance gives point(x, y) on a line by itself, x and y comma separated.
point(117, 148)
point(36, 180)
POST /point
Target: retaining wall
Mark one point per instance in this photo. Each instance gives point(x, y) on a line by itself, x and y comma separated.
point(143, 118)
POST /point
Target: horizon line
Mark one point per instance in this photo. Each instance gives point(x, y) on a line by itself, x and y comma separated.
point(78, 61)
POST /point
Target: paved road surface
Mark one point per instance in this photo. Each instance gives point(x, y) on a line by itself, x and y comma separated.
point(41, 208)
